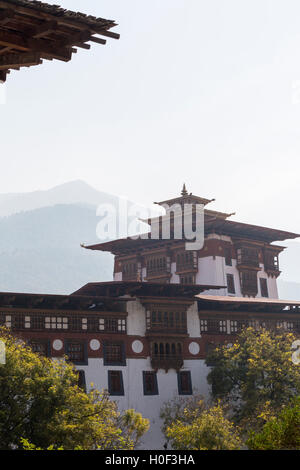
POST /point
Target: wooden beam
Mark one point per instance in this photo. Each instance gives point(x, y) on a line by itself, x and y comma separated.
point(109, 34)
point(25, 44)
point(98, 40)
point(19, 60)
point(77, 38)
point(6, 15)
point(4, 50)
point(83, 46)
point(44, 29)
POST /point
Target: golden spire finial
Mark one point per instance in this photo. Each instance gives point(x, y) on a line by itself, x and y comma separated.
point(184, 191)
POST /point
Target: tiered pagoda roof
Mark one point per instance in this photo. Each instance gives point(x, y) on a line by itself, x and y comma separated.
point(214, 222)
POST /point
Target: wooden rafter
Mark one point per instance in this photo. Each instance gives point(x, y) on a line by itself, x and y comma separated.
point(31, 31)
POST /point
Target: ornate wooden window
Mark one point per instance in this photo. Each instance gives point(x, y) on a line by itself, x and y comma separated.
point(40, 346)
point(213, 327)
point(150, 383)
point(18, 321)
point(203, 326)
point(160, 320)
point(56, 323)
point(76, 351)
point(230, 284)
point(228, 255)
point(264, 287)
point(129, 270)
point(166, 355)
point(114, 353)
point(186, 260)
point(76, 323)
point(115, 383)
point(249, 283)
point(157, 265)
point(38, 322)
point(112, 325)
point(184, 383)
point(247, 256)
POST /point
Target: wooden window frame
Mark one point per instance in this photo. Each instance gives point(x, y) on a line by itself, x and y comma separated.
point(263, 284)
point(121, 389)
point(106, 359)
point(84, 361)
point(179, 380)
point(43, 341)
point(155, 384)
point(230, 284)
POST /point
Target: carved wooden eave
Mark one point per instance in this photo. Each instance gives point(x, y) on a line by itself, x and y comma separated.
point(31, 31)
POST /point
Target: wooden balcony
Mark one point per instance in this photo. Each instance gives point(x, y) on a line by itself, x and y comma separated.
point(167, 362)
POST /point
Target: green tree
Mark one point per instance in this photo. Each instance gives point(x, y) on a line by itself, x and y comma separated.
point(41, 404)
point(183, 409)
point(204, 430)
point(279, 433)
point(255, 375)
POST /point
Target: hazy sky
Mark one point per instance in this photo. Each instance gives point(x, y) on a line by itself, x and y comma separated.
point(206, 92)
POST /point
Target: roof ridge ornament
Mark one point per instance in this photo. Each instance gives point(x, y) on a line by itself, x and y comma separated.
point(184, 190)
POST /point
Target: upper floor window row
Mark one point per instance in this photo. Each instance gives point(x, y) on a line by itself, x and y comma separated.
point(72, 323)
point(213, 326)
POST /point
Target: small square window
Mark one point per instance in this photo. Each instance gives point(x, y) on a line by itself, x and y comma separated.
point(184, 383)
point(150, 383)
point(203, 325)
point(115, 382)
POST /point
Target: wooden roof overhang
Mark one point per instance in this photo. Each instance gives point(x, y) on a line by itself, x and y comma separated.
point(244, 305)
point(247, 231)
point(142, 289)
point(31, 31)
point(59, 302)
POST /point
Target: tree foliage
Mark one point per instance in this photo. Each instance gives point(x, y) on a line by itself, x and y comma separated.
point(41, 404)
point(255, 373)
point(279, 433)
point(203, 429)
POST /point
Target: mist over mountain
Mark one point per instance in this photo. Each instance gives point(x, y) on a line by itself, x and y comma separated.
point(40, 250)
point(73, 192)
point(41, 233)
